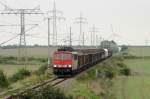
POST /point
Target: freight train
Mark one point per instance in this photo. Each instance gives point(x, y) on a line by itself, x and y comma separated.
point(68, 61)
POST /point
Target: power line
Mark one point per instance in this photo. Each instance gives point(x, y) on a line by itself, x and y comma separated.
point(83, 38)
point(9, 40)
point(93, 31)
point(114, 35)
point(81, 20)
point(146, 42)
point(3, 25)
point(22, 12)
point(55, 16)
point(16, 36)
point(35, 25)
point(4, 4)
point(70, 36)
point(48, 41)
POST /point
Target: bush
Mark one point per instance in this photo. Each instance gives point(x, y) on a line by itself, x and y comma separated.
point(83, 78)
point(11, 58)
point(42, 59)
point(121, 64)
point(106, 72)
point(41, 70)
point(47, 92)
point(37, 59)
point(125, 71)
point(3, 79)
point(21, 74)
point(118, 58)
point(7, 60)
point(91, 73)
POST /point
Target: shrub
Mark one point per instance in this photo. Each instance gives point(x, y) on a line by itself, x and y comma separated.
point(84, 77)
point(91, 73)
point(118, 58)
point(21, 74)
point(7, 60)
point(42, 59)
point(3, 79)
point(107, 72)
point(11, 58)
point(37, 59)
point(46, 92)
point(125, 71)
point(121, 64)
point(41, 70)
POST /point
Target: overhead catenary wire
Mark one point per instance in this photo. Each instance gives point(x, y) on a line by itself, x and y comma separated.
point(9, 40)
point(4, 4)
point(14, 37)
point(15, 11)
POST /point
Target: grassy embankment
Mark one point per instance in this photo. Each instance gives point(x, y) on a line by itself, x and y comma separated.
point(110, 84)
point(136, 86)
point(22, 79)
point(19, 75)
point(96, 83)
point(90, 84)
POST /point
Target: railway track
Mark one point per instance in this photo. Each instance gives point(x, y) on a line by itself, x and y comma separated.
point(53, 82)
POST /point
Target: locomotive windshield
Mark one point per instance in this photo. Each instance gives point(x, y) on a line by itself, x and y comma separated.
point(62, 56)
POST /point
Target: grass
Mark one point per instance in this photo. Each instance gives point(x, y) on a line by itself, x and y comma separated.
point(139, 65)
point(23, 84)
point(11, 69)
point(136, 86)
point(97, 85)
point(82, 91)
point(139, 51)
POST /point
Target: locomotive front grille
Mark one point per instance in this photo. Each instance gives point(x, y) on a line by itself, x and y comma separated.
point(62, 71)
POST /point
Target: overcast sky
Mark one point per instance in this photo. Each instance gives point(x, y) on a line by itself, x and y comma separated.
point(130, 20)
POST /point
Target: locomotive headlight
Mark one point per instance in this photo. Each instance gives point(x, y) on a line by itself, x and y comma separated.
point(69, 65)
point(55, 65)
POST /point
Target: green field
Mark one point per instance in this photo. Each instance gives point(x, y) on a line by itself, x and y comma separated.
point(32, 52)
point(42, 51)
point(11, 69)
point(136, 86)
point(36, 52)
point(139, 51)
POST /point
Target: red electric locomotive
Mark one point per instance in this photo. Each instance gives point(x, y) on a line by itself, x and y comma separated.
point(67, 61)
point(62, 62)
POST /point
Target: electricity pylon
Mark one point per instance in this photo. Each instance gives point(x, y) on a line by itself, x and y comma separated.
point(93, 31)
point(22, 52)
point(81, 20)
point(114, 35)
point(49, 35)
point(56, 15)
point(70, 37)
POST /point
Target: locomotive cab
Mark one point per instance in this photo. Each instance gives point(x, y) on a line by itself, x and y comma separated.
point(62, 62)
